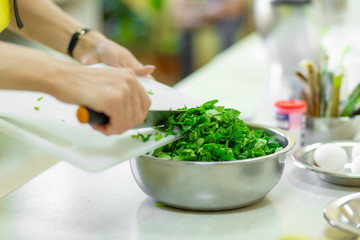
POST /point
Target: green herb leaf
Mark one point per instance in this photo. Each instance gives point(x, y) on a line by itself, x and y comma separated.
point(143, 138)
point(158, 137)
point(37, 108)
point(159, 204)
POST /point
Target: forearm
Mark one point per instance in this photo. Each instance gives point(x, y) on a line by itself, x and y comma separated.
point(46, 23)
point(23, 68)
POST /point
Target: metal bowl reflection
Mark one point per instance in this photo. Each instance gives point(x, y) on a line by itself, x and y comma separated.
point(212, 186)
point(320, 129)
point(344, 213)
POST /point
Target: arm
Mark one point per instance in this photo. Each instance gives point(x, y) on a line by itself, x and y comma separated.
point(116, 91)
point(47, 23)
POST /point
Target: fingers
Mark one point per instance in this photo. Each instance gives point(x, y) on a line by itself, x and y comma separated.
point(127, 59)
point(137, 110)
point(118, 93)
point(115, 55)
point(89, 59)
point(143, 101)
point(100, 128)
point(140, 104)
point(126, 103)
point(145, 70)
point(140, 70)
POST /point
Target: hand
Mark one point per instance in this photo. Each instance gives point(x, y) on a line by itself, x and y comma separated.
point(113, 91)
point(95, 48)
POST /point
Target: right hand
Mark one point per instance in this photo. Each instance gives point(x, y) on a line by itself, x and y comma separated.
point(113, 91)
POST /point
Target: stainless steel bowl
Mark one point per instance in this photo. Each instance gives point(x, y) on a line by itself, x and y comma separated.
point(344, 213)
point(330, 129)
point(212, 186)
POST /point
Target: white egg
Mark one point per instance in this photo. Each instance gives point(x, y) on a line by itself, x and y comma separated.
point(330, 157)
point(355, 165)
point(355, 151)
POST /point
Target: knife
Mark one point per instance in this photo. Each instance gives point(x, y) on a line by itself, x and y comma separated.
point(154, 117)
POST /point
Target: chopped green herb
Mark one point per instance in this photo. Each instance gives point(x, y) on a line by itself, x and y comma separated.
point(143, 138)
point(150, 92)
point(213, 133)
point(158, 137)
point(159, 204)
point(40, 98)
point(37, 108)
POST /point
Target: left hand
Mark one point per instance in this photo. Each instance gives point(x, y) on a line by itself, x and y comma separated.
point(94, 48)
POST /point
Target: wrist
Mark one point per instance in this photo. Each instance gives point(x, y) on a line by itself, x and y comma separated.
point(67, 83)
point(88, 43)
point(74, 40)
point(51, 80)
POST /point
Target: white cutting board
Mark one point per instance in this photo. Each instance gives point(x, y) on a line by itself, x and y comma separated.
point(55, 129)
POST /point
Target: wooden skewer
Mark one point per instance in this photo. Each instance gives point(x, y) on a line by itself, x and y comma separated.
point(308, 105)
point(309, 68)
point(305, 94)
point(317, 88)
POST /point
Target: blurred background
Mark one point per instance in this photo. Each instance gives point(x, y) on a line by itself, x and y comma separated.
point(178, 36)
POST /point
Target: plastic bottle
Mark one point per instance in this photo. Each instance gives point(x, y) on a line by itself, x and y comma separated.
point(290, 116)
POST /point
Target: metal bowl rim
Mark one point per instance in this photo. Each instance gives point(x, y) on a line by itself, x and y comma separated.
point(290, 139)
point(356, 117)
point(330, 212)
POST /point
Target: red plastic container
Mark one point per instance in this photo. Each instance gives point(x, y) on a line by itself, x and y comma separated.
point(290, 116)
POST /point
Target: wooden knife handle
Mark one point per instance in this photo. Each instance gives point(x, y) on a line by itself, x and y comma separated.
point(87, 115)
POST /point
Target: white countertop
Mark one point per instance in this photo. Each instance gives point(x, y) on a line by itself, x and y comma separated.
point(65, 202)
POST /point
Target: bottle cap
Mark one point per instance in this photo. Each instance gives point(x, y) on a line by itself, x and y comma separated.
point(290, 104)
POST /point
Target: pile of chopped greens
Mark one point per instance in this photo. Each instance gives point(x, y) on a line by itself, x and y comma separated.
point(213, 133)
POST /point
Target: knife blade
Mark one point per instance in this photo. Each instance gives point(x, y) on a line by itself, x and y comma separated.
point(154, 117)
